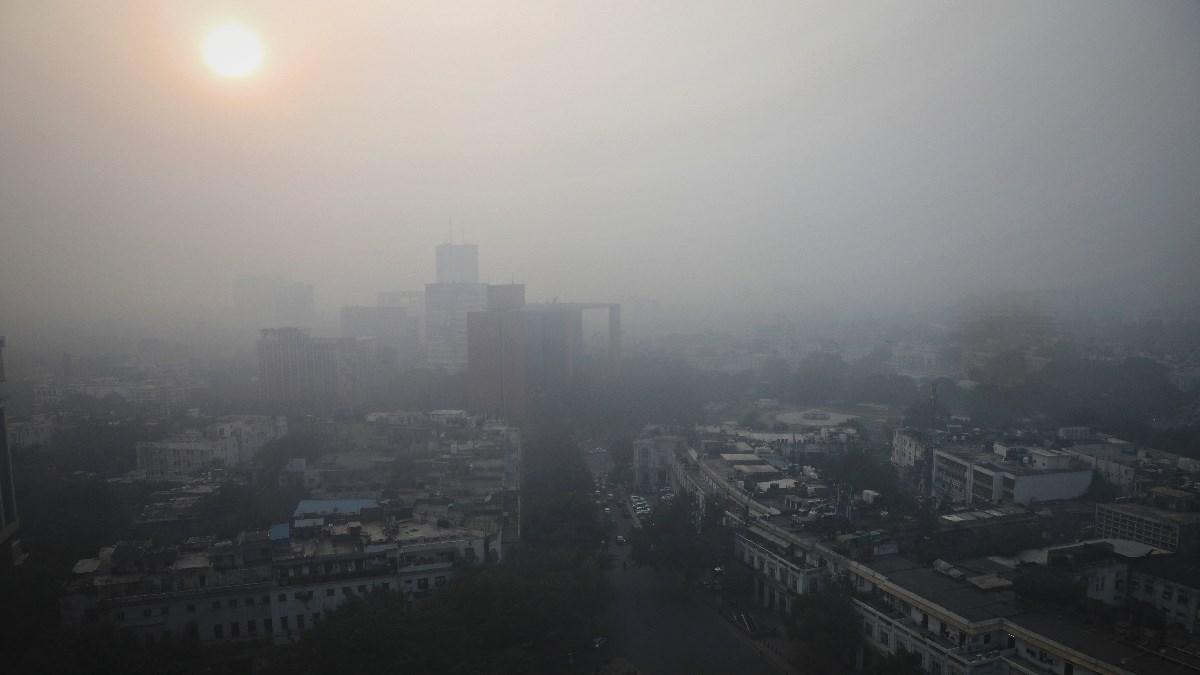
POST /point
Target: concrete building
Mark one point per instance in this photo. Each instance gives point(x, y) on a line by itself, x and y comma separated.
point(1032, 475)
point(297, 369)
point(229, 441)
point(520, 353)
point(274, 300)
point(391, 327)
point(447, 306)
point(1160, 528)
point(164, 397)
point(268, 584)
point(457, 263)
point(9, 521)
point(957, 619)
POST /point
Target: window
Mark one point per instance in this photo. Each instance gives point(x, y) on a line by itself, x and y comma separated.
point(249, 602)
point(216, 604)
point(145, 614)
point(266, 599)
point(329, 592)
point(235, 629)
point(884, 638)
point(267, 628)
point(191, 609)
point(218, 631)
point(120, 616)
point(316, 617)
point(299, 621)
point(298, 595)
point(362, 589)
point(1182, 598)
point(283, 623)
point(252, 627)
point(346, 590)
point(233, 602)
point(423, 584)
point(282, 597)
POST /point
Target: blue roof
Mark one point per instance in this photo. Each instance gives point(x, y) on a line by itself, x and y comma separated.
point(325, 507)
point(280, 532)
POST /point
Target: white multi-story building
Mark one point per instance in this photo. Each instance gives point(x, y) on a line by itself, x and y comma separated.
point(960, 619)
point(268, 585)
point(965, 476)
point(229, 441)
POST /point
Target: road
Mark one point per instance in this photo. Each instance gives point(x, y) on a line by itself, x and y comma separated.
point(661, 628)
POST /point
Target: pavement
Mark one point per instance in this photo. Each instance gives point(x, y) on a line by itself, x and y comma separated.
point(659, 626)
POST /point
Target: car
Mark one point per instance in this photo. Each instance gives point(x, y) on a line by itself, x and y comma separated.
point(607, 510)
point(621, 540)
point(599, 642)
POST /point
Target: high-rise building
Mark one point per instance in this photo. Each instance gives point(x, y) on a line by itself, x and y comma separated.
point(9, 522)
point(294, 368)
point(446, 310)
point(274, 300)
point(392, 328)
point(456, 293)
point(520, 353)
point(458, 264)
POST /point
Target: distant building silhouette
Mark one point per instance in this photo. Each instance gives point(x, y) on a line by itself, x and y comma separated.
point(297, 369)
point(456, 293)
point(9, 522)
point(457, 264)
point(518, 352)
point(274, 300)
point(392, 327)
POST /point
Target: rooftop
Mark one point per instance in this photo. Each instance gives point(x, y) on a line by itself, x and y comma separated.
point(958, 596)
point(325, 507)
point(1152, 513)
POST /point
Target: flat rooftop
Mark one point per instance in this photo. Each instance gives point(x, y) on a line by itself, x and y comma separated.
point(957, 596)
point(1152, 513)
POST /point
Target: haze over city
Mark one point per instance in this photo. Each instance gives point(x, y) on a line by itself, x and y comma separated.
point(707, 156)
point(563, 337)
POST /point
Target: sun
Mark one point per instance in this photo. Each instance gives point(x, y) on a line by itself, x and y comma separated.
point(232, 51)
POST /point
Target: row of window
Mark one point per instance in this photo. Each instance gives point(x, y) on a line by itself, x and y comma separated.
point(422, 584)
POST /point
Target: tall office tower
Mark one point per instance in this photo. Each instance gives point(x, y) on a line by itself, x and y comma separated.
point(274, 300)
point(392, 327)
point(296, 369)
point(496, 354)
point(456, 293)
point(520, 354)
point(458, 264)
point(446, 310)
point(9, 523)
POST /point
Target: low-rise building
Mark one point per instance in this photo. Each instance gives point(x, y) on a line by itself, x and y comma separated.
point(228, 441)
point(268, 584)
point(1166, 530)
point(964, 476)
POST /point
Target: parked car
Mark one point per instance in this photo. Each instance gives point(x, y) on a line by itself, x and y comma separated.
point(598, 642)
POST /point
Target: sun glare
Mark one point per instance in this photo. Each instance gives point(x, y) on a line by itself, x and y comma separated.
point(232, 51)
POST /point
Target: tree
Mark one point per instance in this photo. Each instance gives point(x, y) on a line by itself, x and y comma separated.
point(827, 629)
point(681, 535)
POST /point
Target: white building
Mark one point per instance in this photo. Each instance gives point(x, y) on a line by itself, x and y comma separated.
point(229, 441)
point(267, 585)
point(965, 477)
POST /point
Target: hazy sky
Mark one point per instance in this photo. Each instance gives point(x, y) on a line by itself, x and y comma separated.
point(698, 152)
